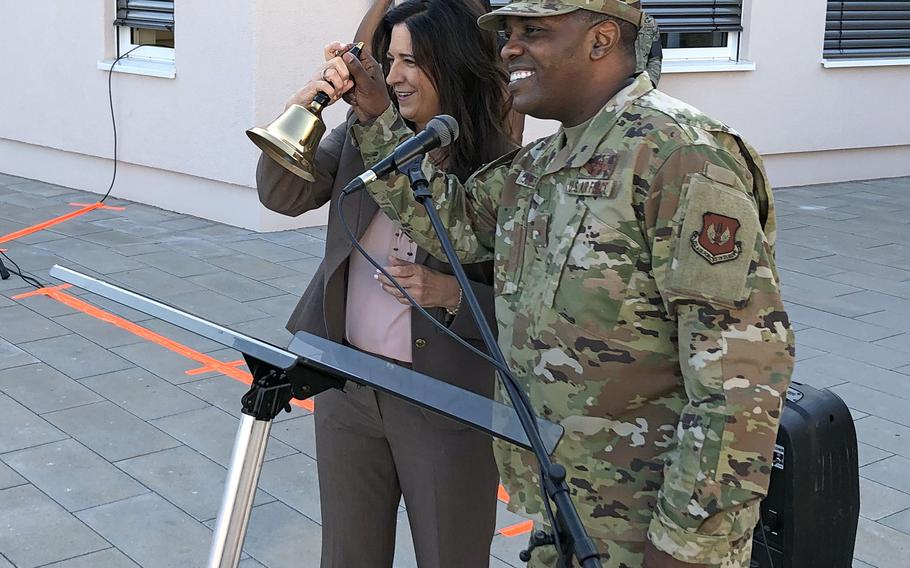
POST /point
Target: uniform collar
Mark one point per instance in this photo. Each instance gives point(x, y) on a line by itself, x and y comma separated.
point(600, 125)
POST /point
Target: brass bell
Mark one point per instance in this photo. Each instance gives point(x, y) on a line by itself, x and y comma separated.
point(292, 139)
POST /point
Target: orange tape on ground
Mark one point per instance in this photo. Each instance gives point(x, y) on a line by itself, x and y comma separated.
point(110, 207)
point(209, 363)
point(203, 370)
point(501, 494)
point(518, 529)
point(50, 223)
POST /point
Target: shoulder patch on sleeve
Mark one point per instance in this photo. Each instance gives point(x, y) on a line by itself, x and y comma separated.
point(716, 244)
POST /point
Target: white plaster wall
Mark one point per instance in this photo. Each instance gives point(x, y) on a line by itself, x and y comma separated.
point(793, 110)
point(182, 142)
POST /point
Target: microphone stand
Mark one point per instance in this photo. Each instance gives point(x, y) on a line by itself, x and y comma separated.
point(567, 526)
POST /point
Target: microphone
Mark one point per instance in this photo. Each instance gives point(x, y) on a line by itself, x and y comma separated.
point(440, 132)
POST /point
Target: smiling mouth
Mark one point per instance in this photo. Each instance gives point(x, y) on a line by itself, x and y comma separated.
point(404, 95)
point(516, 76)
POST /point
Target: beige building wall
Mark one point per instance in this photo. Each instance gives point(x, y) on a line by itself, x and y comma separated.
point(181, 140)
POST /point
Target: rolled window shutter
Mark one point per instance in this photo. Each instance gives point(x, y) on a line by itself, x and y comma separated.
point(149, 14)
point(686, 16)
point(866, 29)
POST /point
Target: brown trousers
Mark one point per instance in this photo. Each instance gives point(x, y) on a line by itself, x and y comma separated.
point(373, 448)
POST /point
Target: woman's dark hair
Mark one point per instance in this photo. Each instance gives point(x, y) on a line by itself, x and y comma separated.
point(463, 63)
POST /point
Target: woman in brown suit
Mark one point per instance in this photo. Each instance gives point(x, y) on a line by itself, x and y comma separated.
point(373, 448)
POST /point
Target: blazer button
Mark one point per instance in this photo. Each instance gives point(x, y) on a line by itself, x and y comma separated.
point(420, 343)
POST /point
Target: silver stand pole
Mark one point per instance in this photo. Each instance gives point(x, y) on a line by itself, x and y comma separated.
point(239, 491)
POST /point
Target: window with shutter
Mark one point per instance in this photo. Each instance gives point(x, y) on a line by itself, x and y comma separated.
point(698, 29)
point(147, 23)
point(863, 29)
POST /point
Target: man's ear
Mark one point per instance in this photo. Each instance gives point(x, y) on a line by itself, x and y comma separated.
point(606, 38)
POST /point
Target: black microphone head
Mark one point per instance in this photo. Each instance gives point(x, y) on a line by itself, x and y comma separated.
point(445, 127)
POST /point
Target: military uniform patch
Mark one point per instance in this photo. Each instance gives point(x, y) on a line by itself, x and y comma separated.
point(716, 242)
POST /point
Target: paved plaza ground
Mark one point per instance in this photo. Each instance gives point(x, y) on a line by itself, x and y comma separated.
point(112, 455)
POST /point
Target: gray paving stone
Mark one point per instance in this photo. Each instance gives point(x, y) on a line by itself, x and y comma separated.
point(272, 527)
point(100, 258)
point(115, 238)
point(72, 475)
point(111, 431)
point(217, 308)
point(162, 362)
point(839, 369)
point(870, 454)
point(808, 267)
point(898, 521)
point(838, 324)
point(195, 246)
point(899, 342)
point(75, 356)
point(405, 555)
point(4, 563)
point(891, 472)
point(293, 480)
point(154, 283)
point(42, 389)
point(9, 478)
point(186, 478)
point(175, 263)
point(898, 321)
point(881, 546)
point(900, 289)
point(267, 250)
point(882, 404)
point(251, 266)
point(211, 431)
point(144, 247)
point(804, 352)
point(151, 531)
point(20, 325)
point(878, 501)
point(21, 428)
point(851, 348)
point(864, 268)
point(98, 331)
point(110, 558)
point(270, 330)
point(818, 286)
point(884, 434)
point(38, 531)
point(278, 306)
point(299, 433)
point(11, 356)
point(307, 265)
point(236, 286)
point(295, 285)
point(141, 393)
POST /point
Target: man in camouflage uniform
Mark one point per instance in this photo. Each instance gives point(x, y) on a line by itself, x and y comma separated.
point(637, 298)
point(648, 51)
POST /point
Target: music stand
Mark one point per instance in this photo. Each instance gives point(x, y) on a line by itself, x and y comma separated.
point(309, 365)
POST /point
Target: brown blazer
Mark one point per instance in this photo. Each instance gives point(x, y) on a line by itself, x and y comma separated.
point(321, 310)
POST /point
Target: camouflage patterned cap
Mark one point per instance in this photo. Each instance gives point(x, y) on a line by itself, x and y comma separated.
point(627, 10)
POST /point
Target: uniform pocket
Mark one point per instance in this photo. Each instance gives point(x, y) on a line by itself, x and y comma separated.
point(596, 263)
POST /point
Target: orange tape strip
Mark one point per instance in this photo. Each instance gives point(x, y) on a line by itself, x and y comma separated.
point(210, 363)
point(501, 494)
point(50, 223)
point(103, 206)
point(518, 529)
point(203, 370)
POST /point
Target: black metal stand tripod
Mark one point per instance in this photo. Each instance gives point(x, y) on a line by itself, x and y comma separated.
point(569, 534)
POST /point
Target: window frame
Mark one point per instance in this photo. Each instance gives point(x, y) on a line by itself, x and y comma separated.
point(146, 53)
point(728, 53)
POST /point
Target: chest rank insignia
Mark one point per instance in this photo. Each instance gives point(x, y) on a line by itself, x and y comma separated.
point(716, 242)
